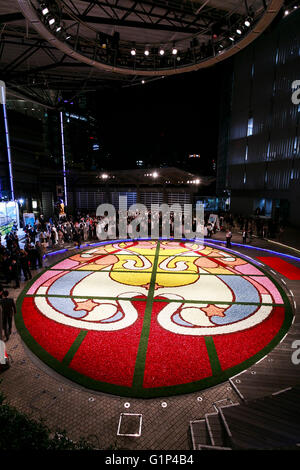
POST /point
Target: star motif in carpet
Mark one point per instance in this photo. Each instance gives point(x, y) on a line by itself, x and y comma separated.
point(213, 311)
point(87, 305)
point(156, 286)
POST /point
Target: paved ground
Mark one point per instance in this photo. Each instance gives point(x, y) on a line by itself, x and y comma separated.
point(35, 389)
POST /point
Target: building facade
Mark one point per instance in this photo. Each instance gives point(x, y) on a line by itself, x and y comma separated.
point(259, 155)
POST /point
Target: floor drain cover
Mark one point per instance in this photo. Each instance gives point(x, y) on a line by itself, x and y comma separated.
point(130, 425)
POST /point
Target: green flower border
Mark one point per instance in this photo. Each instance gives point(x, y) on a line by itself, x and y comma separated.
point(136, 391)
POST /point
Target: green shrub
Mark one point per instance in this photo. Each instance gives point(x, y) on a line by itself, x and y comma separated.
point(19, 432)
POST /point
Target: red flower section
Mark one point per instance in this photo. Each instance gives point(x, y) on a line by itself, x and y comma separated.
point(283, 267)
point(110, 356)
point(234, 348)
point(55, 338)
point(173, 359)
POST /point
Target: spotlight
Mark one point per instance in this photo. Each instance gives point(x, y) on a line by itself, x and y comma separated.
point(161, 51)
point(231, 38)
point(68, 37)
point(58, 29)
point(133, 52)
point(174, 51)
point(51, 21)
point(143, 81)
point(239, 31)
point(147, 52)
point(247, 22)
point(45, 11)
point(286, 12)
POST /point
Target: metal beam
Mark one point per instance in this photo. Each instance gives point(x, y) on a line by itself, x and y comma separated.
point(21, 58)
point(142, 11)
point(185, 28)
point(134, 24)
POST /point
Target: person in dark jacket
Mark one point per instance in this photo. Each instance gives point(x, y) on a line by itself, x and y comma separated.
point(39, 254)
point(6, 268)
point(32, 255)
point(77, 237)
point(24, 260)
point(8, 310)
point(14, 272)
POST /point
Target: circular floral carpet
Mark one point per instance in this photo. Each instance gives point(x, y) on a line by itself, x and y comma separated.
point(152, 318)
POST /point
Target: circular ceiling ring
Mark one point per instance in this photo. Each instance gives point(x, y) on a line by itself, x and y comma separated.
point(31, 15)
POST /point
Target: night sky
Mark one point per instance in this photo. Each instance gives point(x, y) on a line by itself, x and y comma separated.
point(162, 121)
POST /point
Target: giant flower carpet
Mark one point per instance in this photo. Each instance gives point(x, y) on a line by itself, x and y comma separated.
point(152, 318)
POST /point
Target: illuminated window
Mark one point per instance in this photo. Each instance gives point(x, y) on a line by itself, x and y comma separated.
point(268, 152)
point(250, 126)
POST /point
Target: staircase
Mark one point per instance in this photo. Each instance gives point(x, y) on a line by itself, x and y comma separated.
point(271, 422)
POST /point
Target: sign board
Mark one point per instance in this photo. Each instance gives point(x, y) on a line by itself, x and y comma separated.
point(9, 216)
point(29, 219)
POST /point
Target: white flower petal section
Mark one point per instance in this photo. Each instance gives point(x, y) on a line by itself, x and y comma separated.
point(102, 312)
point(206, 288)
point(42, 290)
point(164, 318)
point(195, 316)
point(131, 264)
point(179, 265)
point(266, 299)
point(130, 317)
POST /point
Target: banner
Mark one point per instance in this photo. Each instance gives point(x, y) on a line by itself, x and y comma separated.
point(9, 215)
